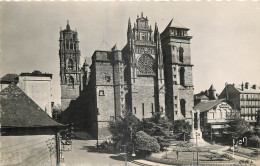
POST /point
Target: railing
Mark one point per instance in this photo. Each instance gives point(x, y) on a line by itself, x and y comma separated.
point(141, 42)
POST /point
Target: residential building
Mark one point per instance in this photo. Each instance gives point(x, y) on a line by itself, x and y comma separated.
point(38, 86)
point(245, 98)
point(206, 95)
point(216, 113)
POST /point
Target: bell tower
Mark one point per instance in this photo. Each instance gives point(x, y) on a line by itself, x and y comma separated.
point(178, 71)
point(70, 73)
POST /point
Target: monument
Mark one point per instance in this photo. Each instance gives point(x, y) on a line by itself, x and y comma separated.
point(196, 134)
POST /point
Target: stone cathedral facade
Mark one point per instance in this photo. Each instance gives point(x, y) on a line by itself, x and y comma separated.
point(152, 73)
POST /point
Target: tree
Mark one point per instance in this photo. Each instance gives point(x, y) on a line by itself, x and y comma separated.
point(158, 127)
point(237, 128)
point(145, 144)
point(182, 127)
point(124, 128)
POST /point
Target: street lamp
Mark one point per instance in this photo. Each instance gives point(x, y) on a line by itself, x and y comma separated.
point(197, 149)
point(132, 154)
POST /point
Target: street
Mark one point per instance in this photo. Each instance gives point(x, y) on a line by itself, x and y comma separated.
point(84, 153)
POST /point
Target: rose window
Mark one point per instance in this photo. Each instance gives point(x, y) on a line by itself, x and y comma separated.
point(146, 65)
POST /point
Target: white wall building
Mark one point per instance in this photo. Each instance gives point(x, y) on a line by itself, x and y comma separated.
point(38, 86)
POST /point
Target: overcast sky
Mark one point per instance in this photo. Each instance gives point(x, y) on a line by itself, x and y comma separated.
point(225, 46)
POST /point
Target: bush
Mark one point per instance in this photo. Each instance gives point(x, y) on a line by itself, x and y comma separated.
point(145, 144)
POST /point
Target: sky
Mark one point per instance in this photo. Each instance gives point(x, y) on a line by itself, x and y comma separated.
point(225, 47)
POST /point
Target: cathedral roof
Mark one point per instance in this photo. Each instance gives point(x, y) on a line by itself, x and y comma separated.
point(19, 110)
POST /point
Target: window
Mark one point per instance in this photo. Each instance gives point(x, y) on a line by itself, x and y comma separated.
point(174, 76)
point(182, 76)
point(181, 54)
point(101, 93)
point(70, 64)
point(174, 82)
point(107, 78)
point(175, 105)
point(152, 108)
point(174, 68)
point(71, 82)
point(134, 110)
point(143, 108)
point(183, 107)
point(175, 97)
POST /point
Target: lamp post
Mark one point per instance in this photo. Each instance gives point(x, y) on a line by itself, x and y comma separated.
point(133, 154)
point(197, 149)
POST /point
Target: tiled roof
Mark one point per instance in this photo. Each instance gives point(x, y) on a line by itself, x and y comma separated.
point(9, 78)
point(250, 89)
point(175, 24)
point(207, 105)
point(19, 110)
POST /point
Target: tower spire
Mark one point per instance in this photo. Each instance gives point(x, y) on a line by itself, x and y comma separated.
point(129, 30)
point(68, 25)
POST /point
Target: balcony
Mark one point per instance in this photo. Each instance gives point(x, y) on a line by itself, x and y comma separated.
point(142, 42)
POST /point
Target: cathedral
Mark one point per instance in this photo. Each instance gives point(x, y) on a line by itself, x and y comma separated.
point(152, 73)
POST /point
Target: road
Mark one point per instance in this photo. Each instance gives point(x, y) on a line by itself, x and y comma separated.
point(84, 153)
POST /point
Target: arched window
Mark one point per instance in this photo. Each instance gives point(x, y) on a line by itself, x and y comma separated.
point(182, 76)
point(181, 54)
point(70, 64)
point(183, 107)
point(71, 82)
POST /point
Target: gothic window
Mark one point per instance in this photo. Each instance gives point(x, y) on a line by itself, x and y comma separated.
point(182, 76)
point(183, 107)
point(70, 64)
point(71, 46)
point(181, 54)
point(71, 82)
point(146, 65)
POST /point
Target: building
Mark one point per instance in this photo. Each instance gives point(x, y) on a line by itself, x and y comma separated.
point(152, 73)
point(206, 95)
point(216, 113)
point(178, 71)
point(28, 134)
point(245, 98)
point(7, 79)
point(38, 86)
point(70, 70)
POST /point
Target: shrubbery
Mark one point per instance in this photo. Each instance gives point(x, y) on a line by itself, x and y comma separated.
point(145, 144)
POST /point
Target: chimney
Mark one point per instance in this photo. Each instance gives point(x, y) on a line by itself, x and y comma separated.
point(242, 86)
point(246, 85)
point(254, 86)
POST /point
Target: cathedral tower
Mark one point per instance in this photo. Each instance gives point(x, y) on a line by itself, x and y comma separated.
point(144, 69)
point(70, 73)
point(178, 71)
